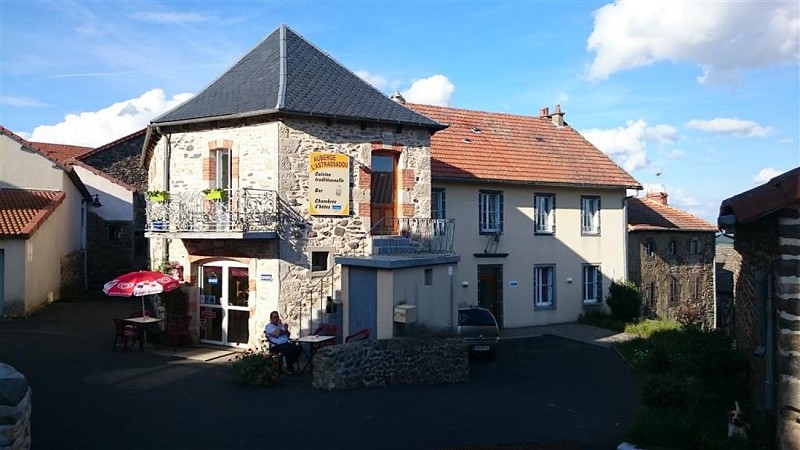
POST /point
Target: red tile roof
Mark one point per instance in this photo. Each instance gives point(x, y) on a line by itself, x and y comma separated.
point(777, 193)
point(645, 214)
point(502, 147)
point(62, 153)
point(23, 211)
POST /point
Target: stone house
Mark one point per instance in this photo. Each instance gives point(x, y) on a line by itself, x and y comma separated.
point(727, 260)
point(765, 223)
point(671, 257)
point(43, 208)
point(290, 184)
point(540, 213)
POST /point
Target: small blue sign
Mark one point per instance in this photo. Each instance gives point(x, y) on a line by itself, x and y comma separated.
point(266, 277)
point(513, 283)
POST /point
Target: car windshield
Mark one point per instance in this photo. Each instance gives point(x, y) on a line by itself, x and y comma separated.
point(475, 317)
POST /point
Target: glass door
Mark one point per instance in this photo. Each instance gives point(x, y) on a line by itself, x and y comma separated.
point(224, 303)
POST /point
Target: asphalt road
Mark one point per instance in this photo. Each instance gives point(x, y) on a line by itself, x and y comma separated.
point(545, 392)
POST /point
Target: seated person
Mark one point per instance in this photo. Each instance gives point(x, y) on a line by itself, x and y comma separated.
point(277, 333)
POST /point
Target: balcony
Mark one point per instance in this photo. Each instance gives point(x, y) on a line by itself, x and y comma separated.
point(231, 213)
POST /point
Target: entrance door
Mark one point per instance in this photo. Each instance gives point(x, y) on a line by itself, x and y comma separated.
point(490, 290)
point(224, 297)
point(383, 190)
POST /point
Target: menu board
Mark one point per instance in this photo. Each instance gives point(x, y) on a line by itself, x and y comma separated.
point(329, 184)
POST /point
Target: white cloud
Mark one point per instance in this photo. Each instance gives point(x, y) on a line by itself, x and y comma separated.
point(435, 90)
point(722, 38)
point(378, 81)
point(675, 154)
point(96, 128)
point(170, 18)
point(628, 145)
point(765, 175)
point(562, 97)
point(786, 141)
point(21, 101)
point(735, 127)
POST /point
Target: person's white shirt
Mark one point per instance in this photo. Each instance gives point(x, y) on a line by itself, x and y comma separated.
point(282, 338)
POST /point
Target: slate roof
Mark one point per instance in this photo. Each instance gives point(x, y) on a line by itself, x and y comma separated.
point(777, 193)
point(286, 74)
point(501, 147)
point(645, 214)
point(23, 211)
point(62, 153)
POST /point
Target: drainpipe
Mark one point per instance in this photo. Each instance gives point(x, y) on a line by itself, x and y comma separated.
point(165, 180)
point(769, 382)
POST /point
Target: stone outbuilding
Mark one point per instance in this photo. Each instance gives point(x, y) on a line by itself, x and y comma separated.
point(765, 223)
point(671, 257)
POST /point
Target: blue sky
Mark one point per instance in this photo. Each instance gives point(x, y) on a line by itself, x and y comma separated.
point(700, 97)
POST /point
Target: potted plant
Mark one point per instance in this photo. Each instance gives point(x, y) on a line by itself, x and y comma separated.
point(158, 196)
point(214, 193)
point(257, 368)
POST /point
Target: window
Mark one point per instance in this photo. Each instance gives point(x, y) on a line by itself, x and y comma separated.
point(544, 206)
point(438, 211)
point(490, 212)
point(650, 247)
point(694, 246)
point(222, 177)
point(674, 288)
point(673, 247)
point(319, 261)
point(698, 288)
point(543, 286)
point(592, 284)
point(428, 277)
point(116, 231)
point(651, 294)
point(590, 215)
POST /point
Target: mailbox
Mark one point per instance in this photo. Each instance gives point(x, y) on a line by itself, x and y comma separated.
point(405, 313)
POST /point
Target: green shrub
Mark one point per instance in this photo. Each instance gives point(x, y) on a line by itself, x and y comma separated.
point(601, 319)
point(625, 300)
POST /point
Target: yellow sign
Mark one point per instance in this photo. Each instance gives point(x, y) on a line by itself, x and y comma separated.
point(329, 184)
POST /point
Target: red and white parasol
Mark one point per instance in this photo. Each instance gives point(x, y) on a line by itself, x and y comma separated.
point(139, 284)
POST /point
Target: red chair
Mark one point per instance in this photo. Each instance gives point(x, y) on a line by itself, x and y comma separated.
point(360, 335)
point(125, 333)
point(325, 329)
point(177, 327)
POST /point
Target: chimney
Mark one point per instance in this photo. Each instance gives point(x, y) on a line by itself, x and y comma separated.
point(398, 98)
point(544, 112)
point(558, 117)
point(660, 197)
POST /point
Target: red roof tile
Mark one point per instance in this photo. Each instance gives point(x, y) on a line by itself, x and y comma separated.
point(63, 153)
point(645, 214)
point(502, 147)
point(23, 211)
point(777, 193)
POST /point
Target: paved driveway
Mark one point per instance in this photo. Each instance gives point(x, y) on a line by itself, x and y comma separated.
point(538, 390)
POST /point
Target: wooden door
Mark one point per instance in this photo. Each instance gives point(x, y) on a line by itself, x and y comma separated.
point(383, 194)
point(490, 290)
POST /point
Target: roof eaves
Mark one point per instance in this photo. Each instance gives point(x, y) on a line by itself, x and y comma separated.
point(531, 183)
point(431, 126)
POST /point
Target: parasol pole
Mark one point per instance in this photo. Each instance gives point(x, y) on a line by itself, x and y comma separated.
point(142, 296)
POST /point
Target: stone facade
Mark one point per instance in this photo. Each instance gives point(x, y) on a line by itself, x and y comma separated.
point(770, 266)
point(655, 258)
point(109, 256)
point(73, 274)
point(15, 410)
point(275, 156)
point(397, 361)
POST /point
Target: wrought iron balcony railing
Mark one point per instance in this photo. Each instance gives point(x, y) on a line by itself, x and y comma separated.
point(231, 210)
point(413, 235)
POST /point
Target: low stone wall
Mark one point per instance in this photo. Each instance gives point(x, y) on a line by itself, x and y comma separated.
point(15, 410)
point(409, 360)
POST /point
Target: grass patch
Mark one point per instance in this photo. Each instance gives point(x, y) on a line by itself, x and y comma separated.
point(690, 379)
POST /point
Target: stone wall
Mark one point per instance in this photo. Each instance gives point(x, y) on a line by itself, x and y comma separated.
point(770, 260)
point(398, 361)
point(73, 270)
point(107, 255)
point(15, 410)
point(694, 271)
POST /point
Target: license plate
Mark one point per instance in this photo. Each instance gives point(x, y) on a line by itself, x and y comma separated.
point(481, 348)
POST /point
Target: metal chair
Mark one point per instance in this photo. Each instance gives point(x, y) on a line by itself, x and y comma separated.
point(125, 333)
point(360, 335)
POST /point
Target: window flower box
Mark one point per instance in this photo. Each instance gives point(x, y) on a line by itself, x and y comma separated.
point(158, 196)
point(214, 194)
